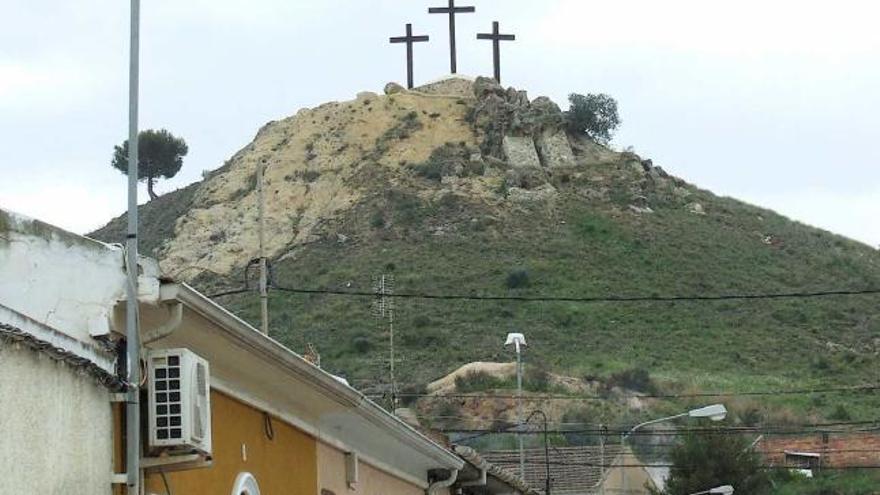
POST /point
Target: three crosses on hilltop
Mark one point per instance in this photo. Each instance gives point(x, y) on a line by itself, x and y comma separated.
point(495, 36)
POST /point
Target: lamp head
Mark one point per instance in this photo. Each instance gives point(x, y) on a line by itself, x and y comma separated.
point(722, 490)
point(715, 412)
point(516, 339)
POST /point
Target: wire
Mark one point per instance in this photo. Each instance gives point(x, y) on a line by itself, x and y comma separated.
point(591, 299)
point(756, 393)
point(165, 482)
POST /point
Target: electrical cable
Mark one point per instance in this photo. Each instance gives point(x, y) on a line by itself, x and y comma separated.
point(589, 299)
point(754, 393)
point(165, 482)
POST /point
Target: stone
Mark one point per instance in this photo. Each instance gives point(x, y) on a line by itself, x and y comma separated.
point(393, 88)
point(681, 192)
point(543, 193)
point(517, 98)
point(521, 152)
point(527, 178)
point(696, 209)
point(485, 86)
point(554, 150)
point(366, 95)
point(640, 209)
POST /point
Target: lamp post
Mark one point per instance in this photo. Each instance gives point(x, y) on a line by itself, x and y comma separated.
point(715, 412)
point(518, 340)
point(721, 490)
point(546, 449)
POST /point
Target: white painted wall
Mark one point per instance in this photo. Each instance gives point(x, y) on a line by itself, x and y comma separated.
point(55, 428)
point(62, 280)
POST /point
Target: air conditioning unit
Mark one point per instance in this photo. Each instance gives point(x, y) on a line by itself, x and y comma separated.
point(179, 402)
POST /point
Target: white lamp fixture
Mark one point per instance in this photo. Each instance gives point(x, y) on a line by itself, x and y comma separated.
point(721, 490)
point(716, 412)
point(516, 339)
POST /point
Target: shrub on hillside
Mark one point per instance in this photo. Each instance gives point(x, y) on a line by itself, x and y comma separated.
point(476, 381)
point(594, 115)
point(518, 279)
point(636, 379)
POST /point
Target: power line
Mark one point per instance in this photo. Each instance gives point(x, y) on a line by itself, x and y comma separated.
point(589, 299)
point(551, 397)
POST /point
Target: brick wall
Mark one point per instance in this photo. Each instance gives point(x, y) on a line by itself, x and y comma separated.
point(837, 450)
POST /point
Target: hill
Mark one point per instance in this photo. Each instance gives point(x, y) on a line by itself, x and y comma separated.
point(467, 188)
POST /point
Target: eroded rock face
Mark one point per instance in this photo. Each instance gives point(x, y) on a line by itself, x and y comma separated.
point(520, 152)
point(508, 119)
point(554, 150)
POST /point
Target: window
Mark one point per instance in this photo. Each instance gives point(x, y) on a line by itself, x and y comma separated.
point(245, 484)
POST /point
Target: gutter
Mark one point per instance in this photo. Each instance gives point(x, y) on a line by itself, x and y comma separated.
point(437, 485)
point(250, 338)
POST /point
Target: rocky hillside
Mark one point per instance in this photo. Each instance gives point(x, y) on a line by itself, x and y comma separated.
point(468, 188)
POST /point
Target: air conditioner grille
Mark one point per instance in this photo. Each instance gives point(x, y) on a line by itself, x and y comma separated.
point(167, 389)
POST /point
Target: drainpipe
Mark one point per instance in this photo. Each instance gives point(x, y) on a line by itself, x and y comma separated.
point(175, 316)
point(481, 481)
point(453, 476)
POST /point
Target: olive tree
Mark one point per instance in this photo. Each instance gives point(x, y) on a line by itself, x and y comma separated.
point(594, 115)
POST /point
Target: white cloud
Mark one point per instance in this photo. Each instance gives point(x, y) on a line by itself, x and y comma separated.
point(45, 84)
point(744, 27)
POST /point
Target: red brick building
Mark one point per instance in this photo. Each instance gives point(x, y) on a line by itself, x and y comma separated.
point(822, 450)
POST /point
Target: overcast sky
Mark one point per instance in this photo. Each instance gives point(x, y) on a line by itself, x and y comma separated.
point(773, 102)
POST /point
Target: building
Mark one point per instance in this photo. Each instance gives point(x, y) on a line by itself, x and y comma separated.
point(818, 451)
point(583, 470)
point(277, 423)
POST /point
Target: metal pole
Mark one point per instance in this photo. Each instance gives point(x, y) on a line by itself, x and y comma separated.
point(546, 457)
point(132, 335)
point(602, 461)
point(623, 489)
point(264, 278)
point(519, 413)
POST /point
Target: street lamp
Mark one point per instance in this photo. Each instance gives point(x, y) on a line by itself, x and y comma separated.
point(721, 490)
point(518, 340)
point(546, 450)
point(715, 412)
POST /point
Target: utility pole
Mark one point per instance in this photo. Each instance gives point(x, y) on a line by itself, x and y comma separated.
point(264, 276)
point(132, 333)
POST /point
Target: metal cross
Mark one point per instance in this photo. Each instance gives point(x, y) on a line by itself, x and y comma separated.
point(452, 10)
point(409, 39)
point(496, 38)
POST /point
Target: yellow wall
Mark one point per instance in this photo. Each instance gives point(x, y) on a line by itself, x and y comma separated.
point(286, 465)
point(331, 476)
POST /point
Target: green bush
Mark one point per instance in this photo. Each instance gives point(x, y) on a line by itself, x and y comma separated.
point(637, 379)
point(362, 344)
point(594, 115)
point(518, 279)
point(477, 381)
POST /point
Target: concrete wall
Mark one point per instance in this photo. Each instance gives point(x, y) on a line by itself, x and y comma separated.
point(55, 427)
point(331, 477)
point(59, 279)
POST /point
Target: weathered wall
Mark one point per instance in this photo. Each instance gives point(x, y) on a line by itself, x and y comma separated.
point(331, 477)
point(60, 279)
point(285, 465)
point(56, 427)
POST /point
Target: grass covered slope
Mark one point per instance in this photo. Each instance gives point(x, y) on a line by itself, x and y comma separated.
point(416, 186)
point(584, 244)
